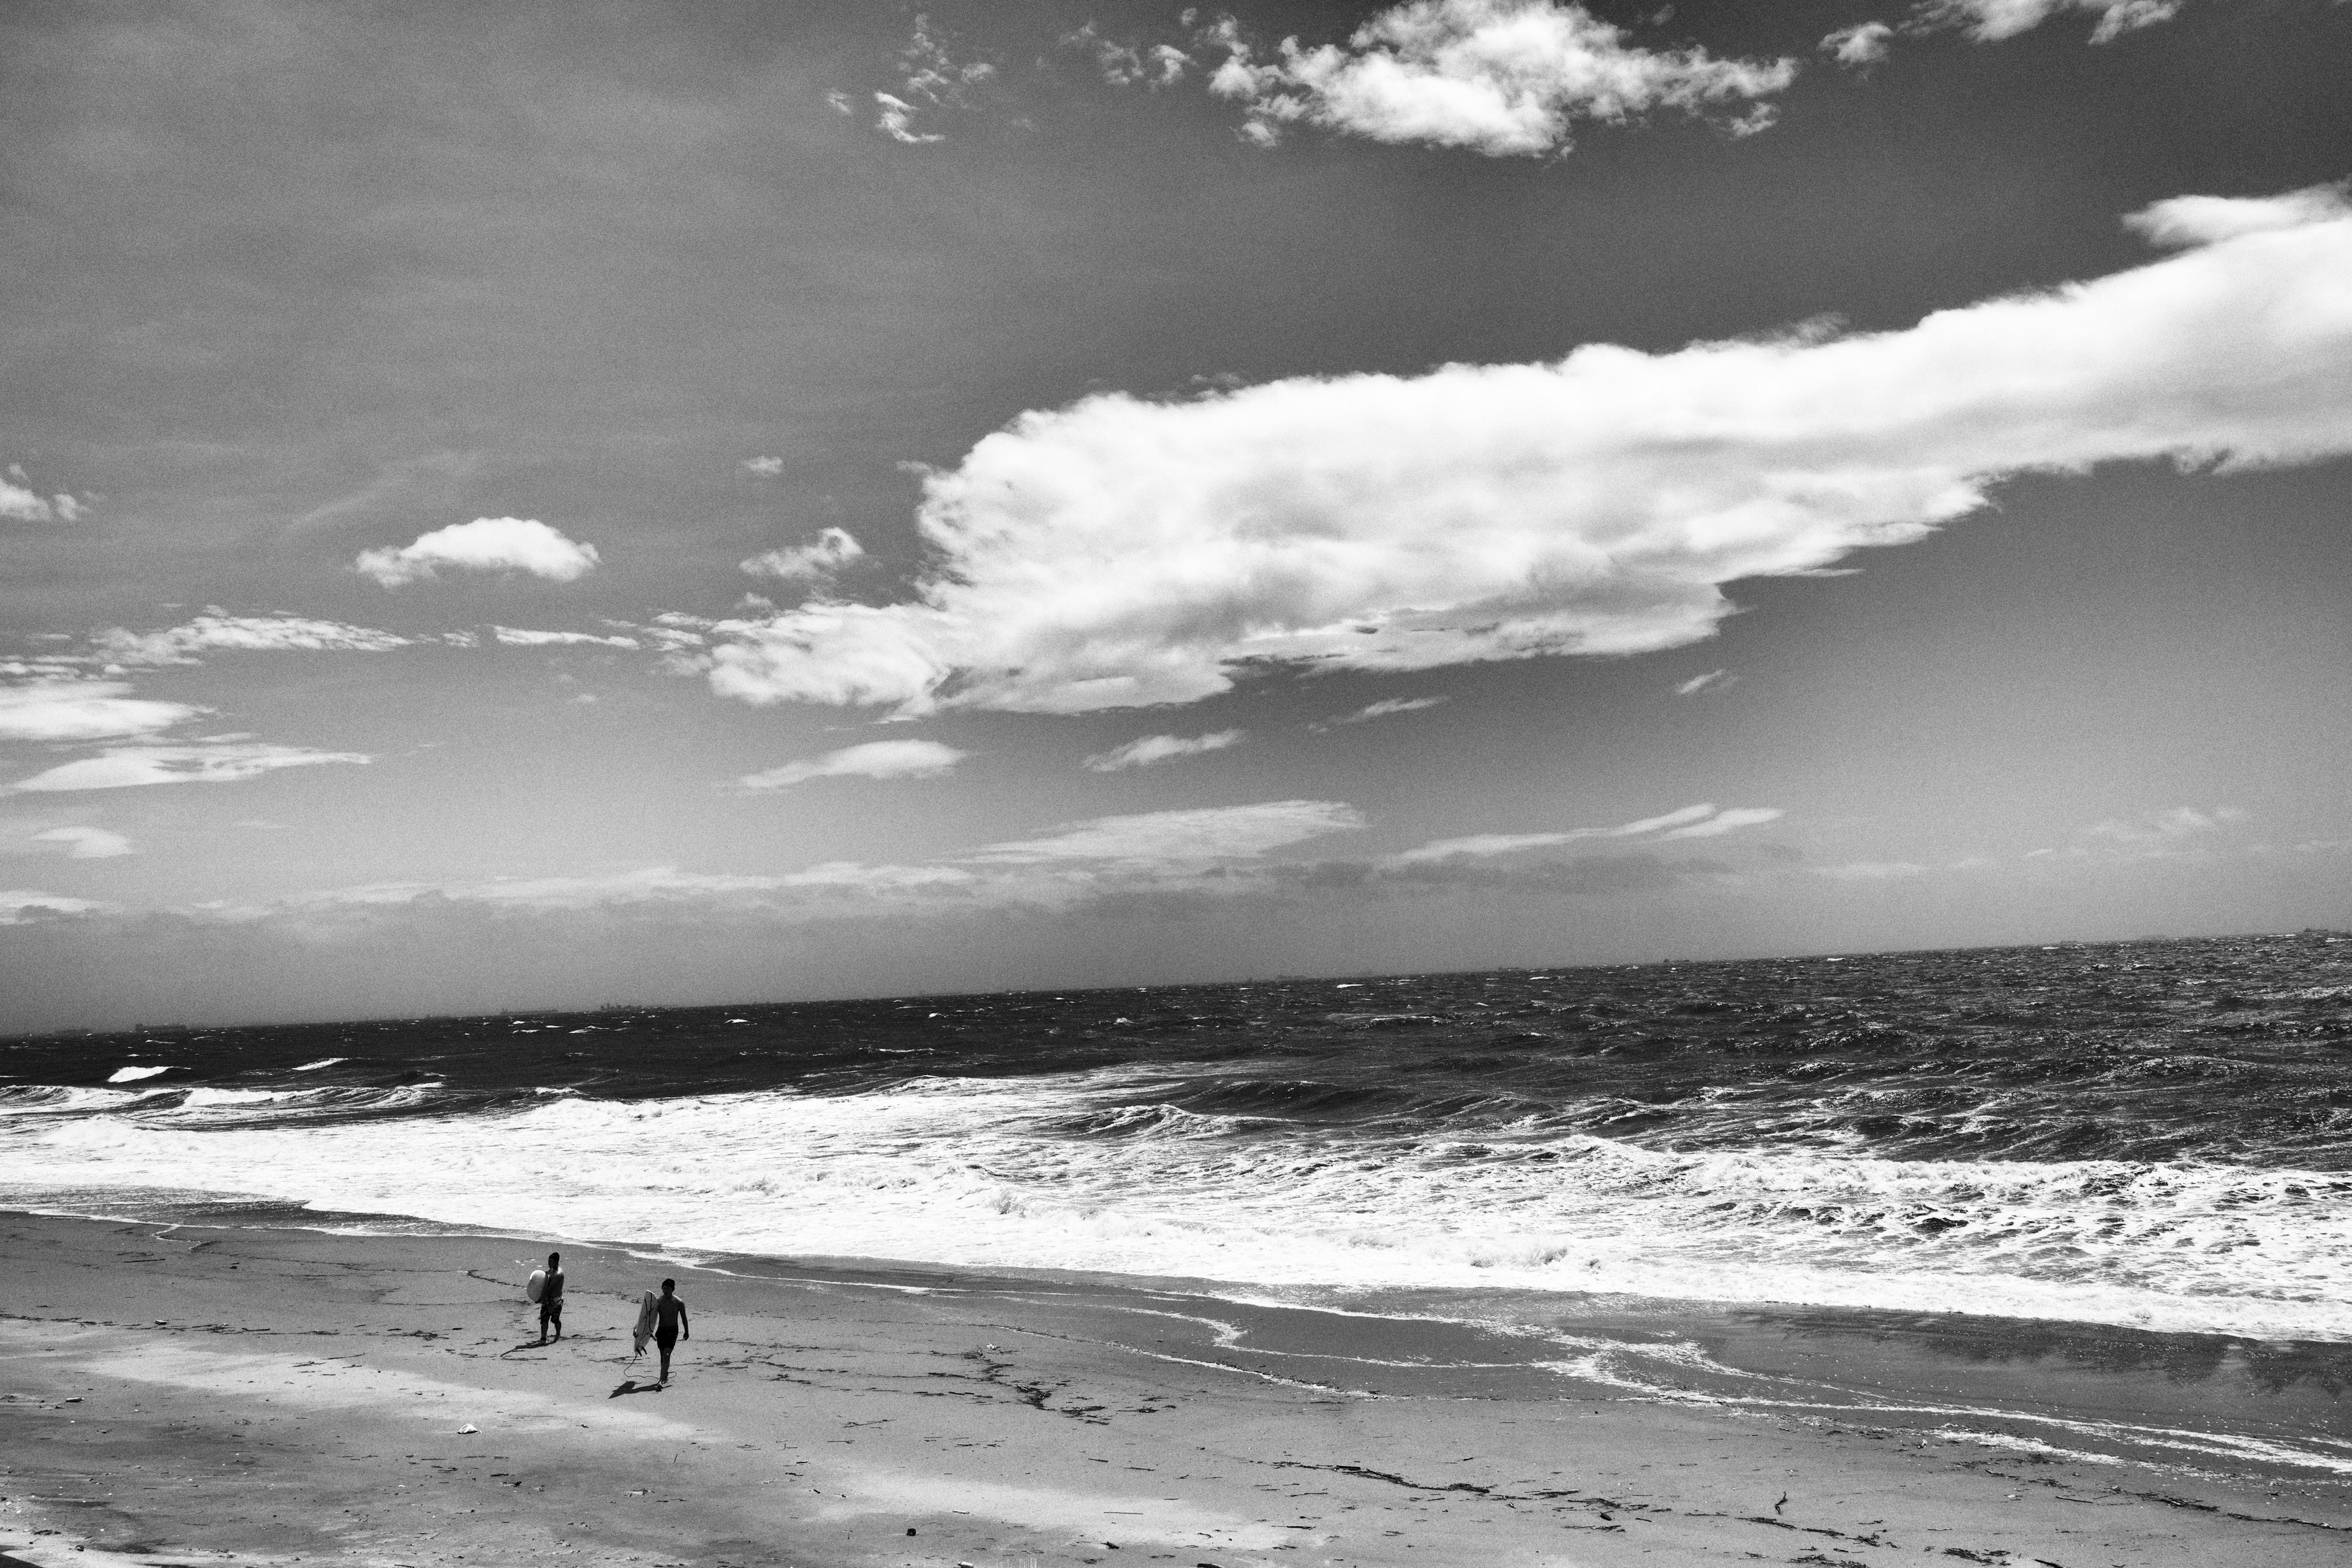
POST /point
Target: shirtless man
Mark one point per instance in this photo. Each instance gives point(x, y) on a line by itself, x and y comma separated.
point(670, 1323)
point(550, 1298)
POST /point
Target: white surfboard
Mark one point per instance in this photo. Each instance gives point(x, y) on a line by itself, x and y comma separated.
point(647, 1314)
point(537, 1283)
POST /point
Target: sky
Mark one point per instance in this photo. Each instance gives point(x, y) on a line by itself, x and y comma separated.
point(534, 507)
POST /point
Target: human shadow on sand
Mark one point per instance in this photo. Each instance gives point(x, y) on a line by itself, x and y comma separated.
point(632, 1385)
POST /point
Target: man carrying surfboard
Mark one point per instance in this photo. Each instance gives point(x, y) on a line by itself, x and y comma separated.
point(670, 1323)
point(550, 1298)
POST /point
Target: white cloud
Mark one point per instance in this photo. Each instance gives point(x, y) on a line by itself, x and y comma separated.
point(1205, 833)
point(1872, 870)
point(1123, 552)
point(875, 760)
point(769, 467)
point(1989, 21)
point(2159, 827)
point(1380, 710)
point(123, 767)
point(519, 636)
point(1738, 817)
point(20, 502)
point(1864, 43)
point(933, 80)
point(1149, 749)
point(86, 843)
point(1500, 77)
point(273, 634)
point(833, 548)
point(1711, 681)
point(73, 709)
point(1124, 65)
point(485, 544)
point(1684, 822)
point(18, 905)
point(2205, 220)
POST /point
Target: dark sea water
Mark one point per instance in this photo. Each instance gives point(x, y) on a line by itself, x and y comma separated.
point(2155, 1134)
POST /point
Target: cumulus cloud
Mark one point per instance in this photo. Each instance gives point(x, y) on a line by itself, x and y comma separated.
point(833, 548)
point(86, 843)
point(1501, 77)
point(1154, 66)
point(1699, 821)
point(1990, 21)
point(485, 544)
point(521, 636)
point(1149, 749)
point(1865, 43)
point(875, 760)
point(123, 767)
point(1203, 834)
point(1122, 553)
point(20, 502)
point(75, 709)
point(216, 631)
point(933, 80)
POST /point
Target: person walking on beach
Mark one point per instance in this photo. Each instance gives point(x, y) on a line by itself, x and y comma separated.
point(550, 1298)
point(670, 1323)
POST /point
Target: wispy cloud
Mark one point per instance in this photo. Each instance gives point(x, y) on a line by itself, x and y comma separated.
point(1864, 44)
point(1153, 66)
point(522, 636)
point(1149, 749)
point(932, 79)
point(74, 709)
point(124, 767)
point(86, 843)
point(485, 544)
point(1506, 78)
point(1990, 21)
point(1380, 710)
point(875, 760)
point(18, 905)
point(814, 563)
point(1714, 679)
point(2159, 827)
point(766, 468)
point(1700, 821)
point(1205, 833)
point(218, 631)
point(1124, 552)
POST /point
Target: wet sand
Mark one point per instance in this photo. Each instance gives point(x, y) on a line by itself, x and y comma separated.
point(183, 1396)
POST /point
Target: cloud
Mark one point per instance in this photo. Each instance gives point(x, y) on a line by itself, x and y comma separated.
point(123, 767)
point(1738, 817)
point(1689, 821)
point(1122, 553)
point(835, 549)
point(485, 544)
point(1380, 710)
point(518, 637)
point(18, 905)
point(933, 80)
point(20, 502)
point(2185, 221)
point(1990, 21)
point(1872, 870)
point(2161, 827)
point(1714, 679)
point(1501, 77)
point(1204, 834)
point(1151, 749)
point(875, 760)
point(86, 843)
point(266, 634)
point(73, 709)
point(769, 467)
point(1864, 43)
point(1124, 65)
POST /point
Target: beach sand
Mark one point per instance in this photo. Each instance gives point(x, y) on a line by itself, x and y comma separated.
point(182, 1395)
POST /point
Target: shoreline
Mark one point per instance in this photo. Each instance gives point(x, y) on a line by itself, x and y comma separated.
point(282, 1394)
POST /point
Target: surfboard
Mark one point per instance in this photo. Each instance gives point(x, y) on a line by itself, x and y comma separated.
point(647, 1314)
point(537, 1283)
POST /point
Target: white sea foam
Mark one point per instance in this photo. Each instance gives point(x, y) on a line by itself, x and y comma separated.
point(972, 1172)
point(133, 1074)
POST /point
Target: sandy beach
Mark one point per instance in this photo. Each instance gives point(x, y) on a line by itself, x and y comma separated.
point(185, 1396)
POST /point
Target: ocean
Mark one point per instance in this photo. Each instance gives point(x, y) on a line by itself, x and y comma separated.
point(2148, 1138)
